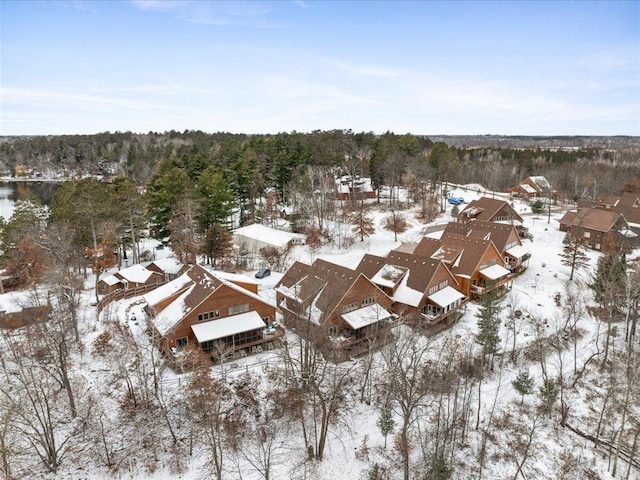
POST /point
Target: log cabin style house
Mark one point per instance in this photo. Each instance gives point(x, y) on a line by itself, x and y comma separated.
point(489, 210)
point(503, 235)
point(598, 228)
point(131, 277)
point(424, 290)
point(339, 309)
point(220, 317)
point(476, 263)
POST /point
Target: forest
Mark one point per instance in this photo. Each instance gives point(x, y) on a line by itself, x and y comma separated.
point(80, 393)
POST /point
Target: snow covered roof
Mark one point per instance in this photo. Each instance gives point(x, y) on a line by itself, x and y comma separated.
point(362, 183)
point(541, 182)
point(527, 188)
point(389, 275)
point(273, 236)
point(517, 252)
point(407, 295)
point(135, 274)
point(173, 313)
point(165, 291)
point(234, 277)
point(224, 327)
point(366, 316)
point(446, 296)
point(168, 265)
point(111, 280)
point(494, 272)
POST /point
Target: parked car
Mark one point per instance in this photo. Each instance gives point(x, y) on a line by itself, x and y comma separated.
point(455, 200)
point(262, 273)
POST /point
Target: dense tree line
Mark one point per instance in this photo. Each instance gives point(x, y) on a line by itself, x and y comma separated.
point(252, 163)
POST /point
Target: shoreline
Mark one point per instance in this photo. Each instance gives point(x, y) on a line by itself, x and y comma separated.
point(32, 180)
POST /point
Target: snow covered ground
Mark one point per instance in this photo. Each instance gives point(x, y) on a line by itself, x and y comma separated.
point(534, 293)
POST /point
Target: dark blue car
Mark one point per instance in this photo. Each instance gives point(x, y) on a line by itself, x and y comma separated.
point(265, 272)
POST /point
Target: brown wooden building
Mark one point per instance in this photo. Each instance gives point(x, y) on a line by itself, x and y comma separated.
point(170, 268)
point(627, 203)
point(423, 290)
point(533, 187)
point(489, 210)
point(476, 263)
point(599, 228)
point(503, 235)
point(339, 309)
point(219, 316)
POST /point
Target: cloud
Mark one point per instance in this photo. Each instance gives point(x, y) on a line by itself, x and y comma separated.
point(167, 90)
point(67, 100)
point(219, 13)
point(367, 71)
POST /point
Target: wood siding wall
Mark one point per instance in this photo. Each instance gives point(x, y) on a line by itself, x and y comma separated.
point(223, 298)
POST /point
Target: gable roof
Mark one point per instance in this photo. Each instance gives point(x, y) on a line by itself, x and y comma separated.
point(168, 265)
point(540, 183)
point(629, 199)
point(595, 219)
point(486, 208)
point(192, 287)
point(498, 233)
point(111, 280)
point(408, 274)
point(422, 270)
point(273, 236)
point(323, 285)
point(471, 251)
point(135, 274)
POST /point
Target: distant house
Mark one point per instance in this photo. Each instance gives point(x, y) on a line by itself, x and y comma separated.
point(503, 235)
point(170, 268)
point(476, 263)
point(489, 210)
point(339, 309)
point(354, 188)
point(109, 284)
point(131, 277)
point(17, 316)
point(599, 228)
point(138, 276)
point(423, 289)
point(220, 317)
point(252, 238)
point(626, 203)
point(533, 187)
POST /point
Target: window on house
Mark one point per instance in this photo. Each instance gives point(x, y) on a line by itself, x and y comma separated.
point(244, 307)
point(332, 331)
point(350, 307)
point(182, 342)
point(597, 246)
point(203, 317)
point(587, 234)
point(368, 301)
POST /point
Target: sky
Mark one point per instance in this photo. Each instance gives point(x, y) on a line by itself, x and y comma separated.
point(420, 67)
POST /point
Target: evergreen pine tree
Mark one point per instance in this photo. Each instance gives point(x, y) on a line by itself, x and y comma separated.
point(523, 384)
point(489, 325)
point(386, 423)
point(548, 395)
point(573, 255)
